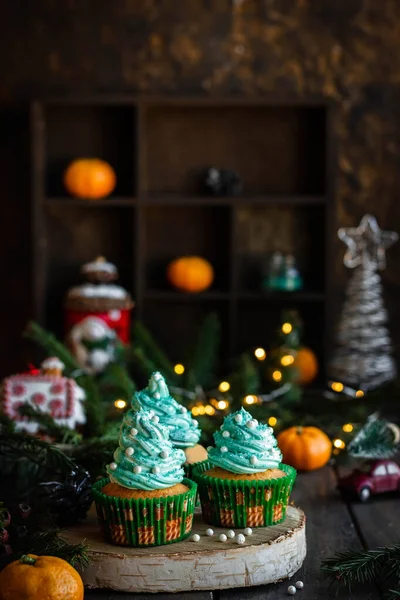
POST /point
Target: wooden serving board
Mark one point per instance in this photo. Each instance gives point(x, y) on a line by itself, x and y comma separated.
point(269, 555)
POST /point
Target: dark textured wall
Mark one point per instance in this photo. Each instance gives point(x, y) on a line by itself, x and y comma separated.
point(345, 50)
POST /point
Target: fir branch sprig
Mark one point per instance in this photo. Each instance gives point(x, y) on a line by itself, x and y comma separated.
point(60, 433)
point(52, 346)
point(51, 543)
point(365, 566)
point(202, 359)
point(142, 338)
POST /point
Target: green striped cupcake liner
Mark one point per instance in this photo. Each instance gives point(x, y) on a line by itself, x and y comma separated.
point(243, 503)
point(145, 521)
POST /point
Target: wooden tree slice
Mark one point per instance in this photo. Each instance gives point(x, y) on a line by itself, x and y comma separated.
point(269, 555)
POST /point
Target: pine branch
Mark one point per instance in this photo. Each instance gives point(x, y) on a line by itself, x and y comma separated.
point(142, 338)
point(16, 446)
point(201, 363)
point(116, 381)
point(94, 455)
point(364, 566)
point(245, 380)
point(374, 440)
point(60, 433)
point(52, 346)
point(93, 405)
point(139, 357)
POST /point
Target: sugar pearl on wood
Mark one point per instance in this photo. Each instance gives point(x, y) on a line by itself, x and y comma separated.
point(299, 585)
point(134, 432)
point(248, 531)
point(195, 537)
point(240, 539)
point(209, 531)
point(223, 538)
point(226, 434)
point(137, 469)
point(230, 534)
point(113, 466)
point(129, 451)
point(291, 590)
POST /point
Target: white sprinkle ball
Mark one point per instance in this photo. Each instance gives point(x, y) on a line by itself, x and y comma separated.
point(226, 434)
point(164, 454)
point(209, 448)
point(240, 539)
point(155, 470)
point(134, 432)
point(223, 538)
point(195, 537)
point(230, 534)
point(155, 419)
point(157, 395)
point(151, 413)
point(129, 451)
point(299, 585)
point(209, 531)
point(248, 531)
point(137, 469)
point(253, 460)
point(113, 466)
point(291, 590)
point(252, 423)
point(195, 423)
point(224, 449)
point(238, 418)
point(183, 409)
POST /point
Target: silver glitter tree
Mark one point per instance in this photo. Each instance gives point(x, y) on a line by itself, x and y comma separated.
point(362, 358)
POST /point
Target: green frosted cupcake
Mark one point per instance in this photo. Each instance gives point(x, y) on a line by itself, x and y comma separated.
point(146, 501)
point(184, 432)
point(244, 483)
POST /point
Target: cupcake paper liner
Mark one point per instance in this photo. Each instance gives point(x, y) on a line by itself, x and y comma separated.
point(243, 503)
point(145, 521)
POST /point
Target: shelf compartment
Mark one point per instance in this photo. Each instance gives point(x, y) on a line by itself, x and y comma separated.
point(282, 297)
point(275, 150)
point(76, 235)
point(171, 232)
point(172, 199)
point(103, 202)
point(299, 231)
point(105, 132)
point(182, 297)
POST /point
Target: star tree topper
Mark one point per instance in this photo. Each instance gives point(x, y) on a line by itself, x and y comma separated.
point(367, 242)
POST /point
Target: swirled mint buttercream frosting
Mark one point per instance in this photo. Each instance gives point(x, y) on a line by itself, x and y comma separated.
point(183, 430)
point(145, 458)
point(243, 445)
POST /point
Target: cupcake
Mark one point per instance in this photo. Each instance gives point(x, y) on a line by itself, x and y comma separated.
point(243, 483)
point(145, 501)
point(184, 432)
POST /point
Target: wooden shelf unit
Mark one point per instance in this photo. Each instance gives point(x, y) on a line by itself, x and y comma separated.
point(159, 148)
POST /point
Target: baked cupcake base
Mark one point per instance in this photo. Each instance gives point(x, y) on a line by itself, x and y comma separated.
point(231, 500)
point(144, 520)
point(118, 491)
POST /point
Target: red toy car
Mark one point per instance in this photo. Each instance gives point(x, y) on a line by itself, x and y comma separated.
point(375, 477)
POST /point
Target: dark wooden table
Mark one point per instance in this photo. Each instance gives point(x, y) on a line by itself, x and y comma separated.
point(332, 525)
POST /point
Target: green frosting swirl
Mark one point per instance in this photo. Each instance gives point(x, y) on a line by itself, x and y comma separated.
point(145, 458)
point(243, 445)
point(183, 430)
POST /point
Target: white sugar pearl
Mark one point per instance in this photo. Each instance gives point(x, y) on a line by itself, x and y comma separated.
point(209, 448)
point(195, 423)
point(223, 538)
point(164, 454)
point(155, 419)
point(248, 531)
point(253, 460)
point(129, 451)
point(157, 395)
point(134, 432)
point(210, 531)
point(113, 466)
point(240, 539)
point(183, 409)
point(299, 585)
point(195, 537)
point(230, 534)
point(224, 449)
point(155, 470)
point(238, 418)
point(151, 413)
point(137, 469)
point(291, 590)
point(251, 424)
point(226, 434)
